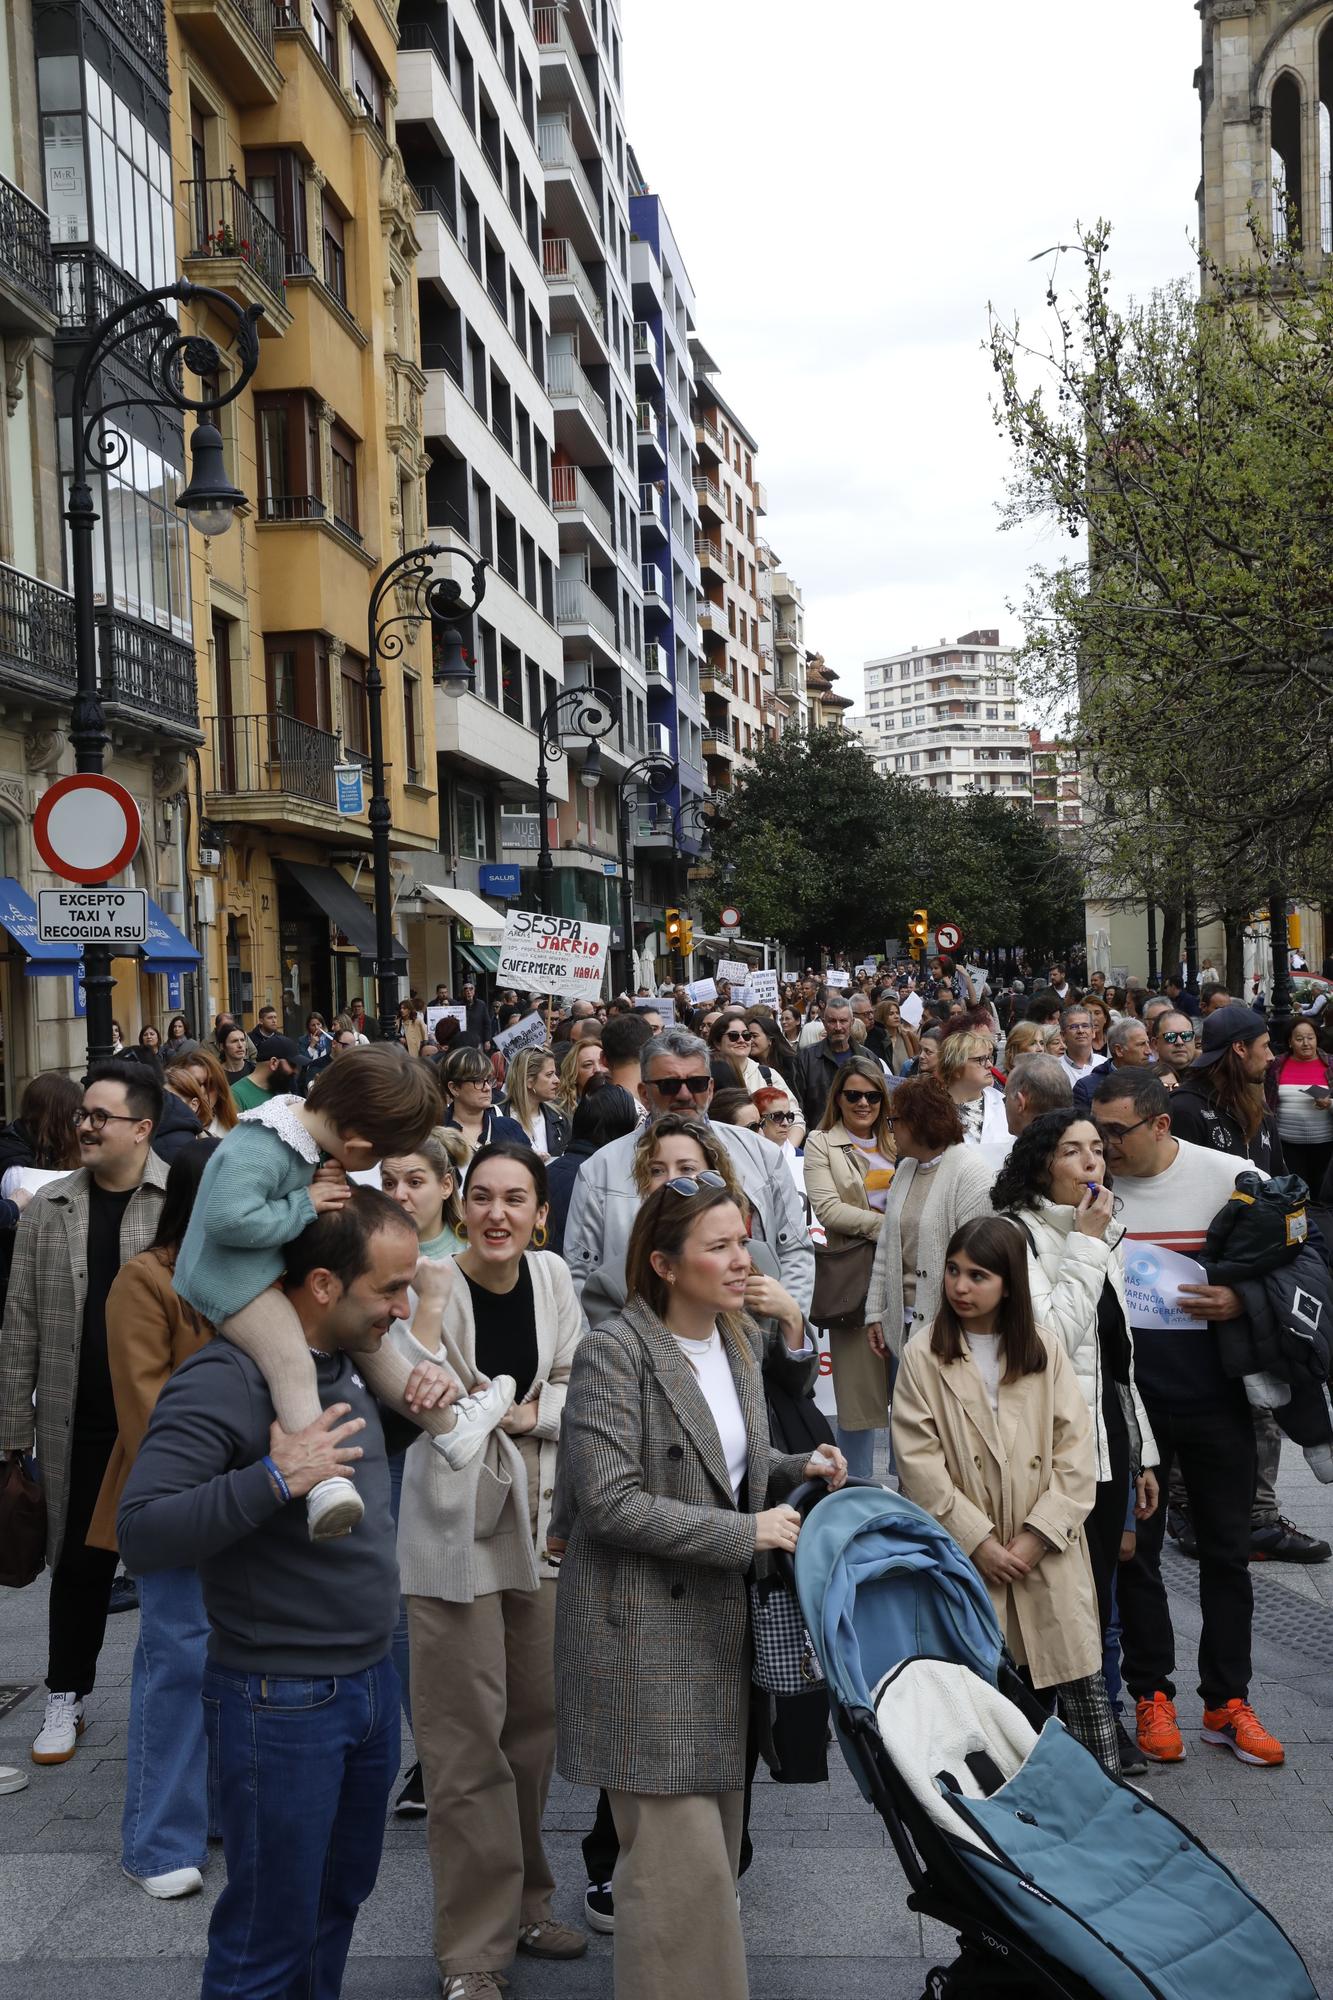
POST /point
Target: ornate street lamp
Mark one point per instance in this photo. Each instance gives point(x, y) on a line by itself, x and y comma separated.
point(658, 773)
point(162, 353)
point(579, 711)
point(421, 597)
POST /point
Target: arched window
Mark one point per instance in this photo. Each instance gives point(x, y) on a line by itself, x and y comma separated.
point(1326, 139)
point(1285, 171)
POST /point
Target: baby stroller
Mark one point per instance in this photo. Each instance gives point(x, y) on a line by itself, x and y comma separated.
point(1059, 1880)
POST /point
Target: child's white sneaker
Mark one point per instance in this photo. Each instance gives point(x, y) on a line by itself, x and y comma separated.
point(332, 1508)
point(477, 1417)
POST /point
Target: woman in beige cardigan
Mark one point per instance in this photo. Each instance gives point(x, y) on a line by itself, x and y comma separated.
point(848, 1171)
point(480, 1596)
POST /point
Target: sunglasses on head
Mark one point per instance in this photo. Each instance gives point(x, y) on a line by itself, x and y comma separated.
point(692, 1184)
point(862, 1097)
point(671, 1086)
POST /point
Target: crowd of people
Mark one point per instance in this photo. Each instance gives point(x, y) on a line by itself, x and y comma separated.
point(421, 1387)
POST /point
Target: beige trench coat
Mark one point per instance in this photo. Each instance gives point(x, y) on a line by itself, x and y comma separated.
point(1033, 1467)
point(835, 1174)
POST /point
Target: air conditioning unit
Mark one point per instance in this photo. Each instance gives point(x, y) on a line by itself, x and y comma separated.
point(210, 857)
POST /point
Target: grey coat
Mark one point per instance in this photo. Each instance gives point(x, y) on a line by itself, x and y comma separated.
point(652, 1640)
point(43, 1329)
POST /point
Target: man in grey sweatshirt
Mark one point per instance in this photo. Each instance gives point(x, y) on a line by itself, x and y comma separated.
point(300, 1693)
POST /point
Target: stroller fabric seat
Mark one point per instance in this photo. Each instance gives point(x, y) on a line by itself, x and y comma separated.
point(1100, 1879)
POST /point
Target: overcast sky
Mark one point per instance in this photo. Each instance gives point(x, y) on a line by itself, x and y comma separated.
point(851, 185)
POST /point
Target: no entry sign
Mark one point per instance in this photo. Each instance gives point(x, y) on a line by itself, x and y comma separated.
point(86, 828)
point(948, 937)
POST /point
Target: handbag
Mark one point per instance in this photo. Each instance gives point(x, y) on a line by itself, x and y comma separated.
point(22, 1526)
point(842, 1279)
point(784, 1657)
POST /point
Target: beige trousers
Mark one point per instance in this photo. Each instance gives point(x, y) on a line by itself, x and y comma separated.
point(860, 1380)
point(269, 1331)
point(678, 1930)
point(483, 1716)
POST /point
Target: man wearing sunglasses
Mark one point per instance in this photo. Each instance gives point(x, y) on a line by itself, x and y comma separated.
point(674, 1076)
point(72, 1240)
point(1174, 1046)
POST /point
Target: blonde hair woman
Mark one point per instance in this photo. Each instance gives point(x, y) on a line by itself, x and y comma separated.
point(1025, 1038)
point(965, 1071)
point(532, 1088)
point(577, 1071)
point(681, 1143)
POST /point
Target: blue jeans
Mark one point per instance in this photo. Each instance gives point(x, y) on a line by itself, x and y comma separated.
point(305, 1769)
point(166, 1819)
point(399, 1649)
point(858, 1448)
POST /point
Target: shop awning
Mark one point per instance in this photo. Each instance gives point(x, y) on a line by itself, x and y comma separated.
point(485, 957)
point(487, 924)
point(333, 893)
point(166, 949)
point(18, 916)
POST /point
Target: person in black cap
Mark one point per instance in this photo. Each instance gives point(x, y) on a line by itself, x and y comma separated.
point(1221, 1104)
point(280, 1065)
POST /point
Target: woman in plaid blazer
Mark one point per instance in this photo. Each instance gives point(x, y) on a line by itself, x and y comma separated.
point(667, 1472)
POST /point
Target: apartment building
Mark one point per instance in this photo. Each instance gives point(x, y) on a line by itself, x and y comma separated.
point(1057, 788)
point(784, 630)
point(737, 677)
point(945, 717)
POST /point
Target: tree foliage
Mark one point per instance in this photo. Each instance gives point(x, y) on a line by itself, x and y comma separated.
point(829, 852)
point(1186, 444)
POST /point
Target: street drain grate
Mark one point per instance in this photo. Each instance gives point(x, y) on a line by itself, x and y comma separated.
point(12, 1695)
point(1282, 1618)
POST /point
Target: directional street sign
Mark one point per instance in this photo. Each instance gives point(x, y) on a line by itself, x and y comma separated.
point(948, 937)
point(92, 916)
point(86, 827)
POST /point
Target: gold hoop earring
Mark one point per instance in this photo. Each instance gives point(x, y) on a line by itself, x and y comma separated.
point(461, 1232)
point(539, 1237)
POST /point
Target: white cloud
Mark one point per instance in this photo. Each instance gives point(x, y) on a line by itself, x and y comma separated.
point(851, 186)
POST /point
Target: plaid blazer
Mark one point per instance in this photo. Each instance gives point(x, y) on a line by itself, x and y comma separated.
point(652, 1649)
point(43, 1327)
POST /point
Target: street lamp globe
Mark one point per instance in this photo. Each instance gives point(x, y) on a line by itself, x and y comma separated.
point(590, 777)
point(452, 672)
point(210, 499)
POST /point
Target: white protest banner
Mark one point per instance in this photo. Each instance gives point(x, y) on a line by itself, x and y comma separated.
point(764, 989)
point(867, 965)
point(665, 1005)
point(1153, 1278)
point(559, 955)
point(701, 990)
point(436, 1014)
point(526, 1034)
point(734, 970)
point(836, 978)
point(912, 1009)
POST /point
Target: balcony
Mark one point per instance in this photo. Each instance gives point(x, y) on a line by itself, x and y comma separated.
point(579, 608)
point(656, 668)
point(237, 250)
point(571, 288)
point(786, 634)
point(712, 500)
point(143, 25)
point(236, 39)
point(576, 504)
point(713, 621)
point(146, 672)
point(580, 413)
point(36, 637)
point(718, 746)
point(654, 588)
point(646, 365)
point(714, 680)
point(760, 492)
point(440, 201)
point(274, 770)
point(146, 675)
point(290, 507)
point(27, 268)
point(712, 562)
point(571, 200)
point(561, 63)
point(708, 438)
point(647, 438)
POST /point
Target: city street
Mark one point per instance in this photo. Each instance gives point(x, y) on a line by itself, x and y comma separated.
point(824, 1903)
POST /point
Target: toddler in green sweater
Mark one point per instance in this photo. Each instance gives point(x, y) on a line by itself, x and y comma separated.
point(285, 1163)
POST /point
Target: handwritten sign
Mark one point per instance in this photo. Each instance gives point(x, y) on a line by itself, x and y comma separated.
point(837, 978)
point(665, 1005)
point(734, 970)
point(526, 1034)
point(434, 1015)
point(702, 990)
point(1153, 1278)
point(559, 955)
point(764, 989)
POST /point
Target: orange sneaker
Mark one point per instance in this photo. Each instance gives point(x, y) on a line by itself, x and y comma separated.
point(1239, 1728)
point(1157, 1730)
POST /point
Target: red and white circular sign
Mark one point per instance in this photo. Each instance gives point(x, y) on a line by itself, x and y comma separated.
point(86, 828)
point(730, 918)
point(948, 937)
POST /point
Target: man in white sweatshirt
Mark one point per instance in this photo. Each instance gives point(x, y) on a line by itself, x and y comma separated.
point(1168, 1192)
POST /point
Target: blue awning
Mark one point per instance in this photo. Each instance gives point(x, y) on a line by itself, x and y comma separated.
point(18, 915)
point(166, 949)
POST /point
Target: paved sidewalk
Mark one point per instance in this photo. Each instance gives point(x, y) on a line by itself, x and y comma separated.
point(824, 1903)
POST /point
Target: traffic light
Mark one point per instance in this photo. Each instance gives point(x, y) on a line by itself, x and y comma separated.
point(917, 931)
point(686, 937)
point(674, 928)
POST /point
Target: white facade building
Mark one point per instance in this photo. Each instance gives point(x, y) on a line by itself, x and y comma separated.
point(945, 716)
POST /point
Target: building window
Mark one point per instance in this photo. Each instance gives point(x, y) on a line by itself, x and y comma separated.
point(287, 442)
point(128, 173)
point(470, 829)
point(342, 448)
point(335, 257)
point(1285, 163)
point(356, 732)
point(277, 187)
point(412, 737)
point(325, 33)
point(296, 667)
point(366, 82)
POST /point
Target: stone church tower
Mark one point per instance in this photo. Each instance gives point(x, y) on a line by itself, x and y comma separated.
point(1266, 93)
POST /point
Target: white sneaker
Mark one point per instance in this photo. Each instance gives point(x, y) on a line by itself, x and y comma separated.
point(12, 1779)
point(477, 1417)
point(332, 1508)
point(59, 1736)
point(178, 1882)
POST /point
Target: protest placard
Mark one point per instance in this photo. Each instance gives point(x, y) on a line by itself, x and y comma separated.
point(664, 1004)
point(764, 989)
point(734, 970)
point(559, 955)
point(529, 1033)
point(1153, 1278)
point(437, 1014)
point(911, 1009)
point(702, 990)
point(836, 978)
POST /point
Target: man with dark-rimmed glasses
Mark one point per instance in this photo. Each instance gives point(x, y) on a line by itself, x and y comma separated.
point(1167, 1192)
point(675, 1076)
point(72, 1240)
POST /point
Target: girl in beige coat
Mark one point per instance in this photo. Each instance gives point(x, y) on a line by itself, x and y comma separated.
point(993, 1438)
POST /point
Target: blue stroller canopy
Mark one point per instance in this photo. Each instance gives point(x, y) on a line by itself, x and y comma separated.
point(937, 1606)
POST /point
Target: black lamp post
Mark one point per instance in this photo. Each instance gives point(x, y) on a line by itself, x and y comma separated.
point(420, 596)
point(658, 773)
point(161, 354)
point(579, 711)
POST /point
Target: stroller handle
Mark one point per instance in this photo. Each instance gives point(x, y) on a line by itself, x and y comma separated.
point(803, 1498)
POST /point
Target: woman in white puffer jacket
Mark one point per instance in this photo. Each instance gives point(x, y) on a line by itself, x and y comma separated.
point(1053, 1187)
